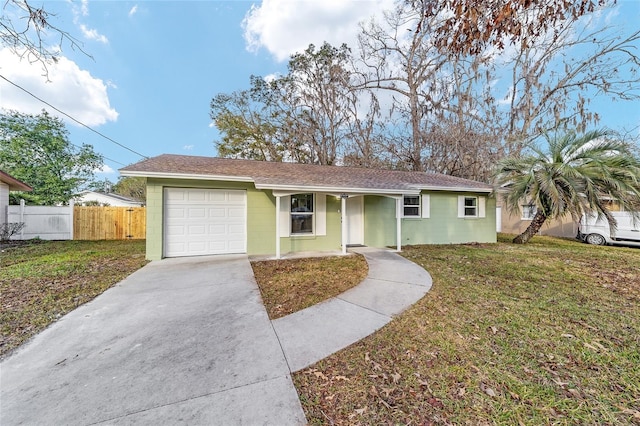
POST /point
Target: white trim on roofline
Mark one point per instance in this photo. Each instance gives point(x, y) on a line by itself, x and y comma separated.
point(455, 189)
point(164, 175)
point(413, 190)
point(295, 189)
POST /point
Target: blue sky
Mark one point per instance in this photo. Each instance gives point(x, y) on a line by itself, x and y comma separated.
point(157, 64)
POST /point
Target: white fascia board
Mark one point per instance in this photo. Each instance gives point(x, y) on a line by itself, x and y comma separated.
point(455, 189)
point(290, 189)
point(163, 175)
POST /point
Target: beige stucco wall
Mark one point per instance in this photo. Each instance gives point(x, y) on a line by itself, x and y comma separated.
point(514, 224)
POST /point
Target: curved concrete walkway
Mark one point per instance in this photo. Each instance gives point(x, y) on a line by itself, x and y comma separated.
point(392, 285)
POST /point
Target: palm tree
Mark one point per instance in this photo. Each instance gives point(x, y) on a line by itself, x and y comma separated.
point(577, 175)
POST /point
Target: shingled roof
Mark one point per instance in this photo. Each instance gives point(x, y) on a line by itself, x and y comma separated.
point(273, 175)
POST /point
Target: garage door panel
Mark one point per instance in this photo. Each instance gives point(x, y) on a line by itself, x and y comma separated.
point(175, 212)
point(197, 247)
point(217, 196)
point(217, 212)
point(177, 247)
point(204, 221)
point(176, 230)
point(236, 197)
point(218, 229)
point(196, 230)
point(236, 229)
point(175, 196)
point(196, 195)
point(196, 212)
point(235, 212)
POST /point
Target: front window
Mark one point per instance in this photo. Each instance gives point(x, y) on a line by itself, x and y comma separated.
point(528, 212)
point(411, 206)
point(302, 214)
point(470, 206)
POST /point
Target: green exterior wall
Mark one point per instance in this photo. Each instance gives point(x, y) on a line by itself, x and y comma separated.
point(261, 219)
point(331, 241)
point(260, 214)
point(442, 227)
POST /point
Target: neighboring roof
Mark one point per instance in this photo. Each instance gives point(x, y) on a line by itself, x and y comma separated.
point(110, 195)
point(14, 184)
point(293, 176)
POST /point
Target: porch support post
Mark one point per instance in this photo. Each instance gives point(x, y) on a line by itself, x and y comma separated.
point(278, 226)
point(399, 224)
point(343, 217)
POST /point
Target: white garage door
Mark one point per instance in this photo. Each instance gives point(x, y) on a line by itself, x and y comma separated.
point(204, 221)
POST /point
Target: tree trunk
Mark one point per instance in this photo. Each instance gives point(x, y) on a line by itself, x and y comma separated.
point(538, 220)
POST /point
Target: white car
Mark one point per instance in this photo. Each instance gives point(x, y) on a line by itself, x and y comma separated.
point(598, 232)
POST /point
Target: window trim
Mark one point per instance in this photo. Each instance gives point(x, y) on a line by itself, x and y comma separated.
point(312, 214)
point(413, 206)
point(476, 206)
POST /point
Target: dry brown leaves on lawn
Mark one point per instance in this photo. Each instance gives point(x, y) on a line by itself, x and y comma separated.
point(291, 285)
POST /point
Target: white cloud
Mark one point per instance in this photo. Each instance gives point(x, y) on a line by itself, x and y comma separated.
point(105, 169)
point(272, 77)
point(93, 34)
point(188, 147)
point(71, 89)
point(133, 10)
point(84, 7)
point(284, 27)
point(81, 12)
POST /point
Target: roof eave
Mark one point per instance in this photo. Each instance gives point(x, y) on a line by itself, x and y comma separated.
point(164, 175)
point(13, 183)
point(455, 189)
point(335, 189)
point(413, 190)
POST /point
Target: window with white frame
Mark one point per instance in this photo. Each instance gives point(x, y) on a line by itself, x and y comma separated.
point(411, 207)
point(528, 211)
point(470, 206)
point(302, 214)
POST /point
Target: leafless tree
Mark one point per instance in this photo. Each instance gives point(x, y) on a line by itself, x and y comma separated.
point(403, 62)
point(25, 28)
point(553, 78)
point(468, 108)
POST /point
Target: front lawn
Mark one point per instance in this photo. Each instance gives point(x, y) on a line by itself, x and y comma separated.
point(40, 281)
point(543, 333)
point(291, 285)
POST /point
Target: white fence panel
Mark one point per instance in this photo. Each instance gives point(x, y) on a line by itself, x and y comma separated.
point(44, 222)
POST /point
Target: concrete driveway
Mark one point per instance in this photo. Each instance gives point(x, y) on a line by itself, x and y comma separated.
point(167, 345)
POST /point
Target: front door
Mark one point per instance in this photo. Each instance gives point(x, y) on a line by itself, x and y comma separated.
point(355, 221)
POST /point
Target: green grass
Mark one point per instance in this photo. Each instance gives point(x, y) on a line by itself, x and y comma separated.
point(543, 333)
point(291, 285)
point(40, 281)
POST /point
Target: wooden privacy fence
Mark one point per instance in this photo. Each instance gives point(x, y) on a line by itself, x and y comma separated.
point(109, 223)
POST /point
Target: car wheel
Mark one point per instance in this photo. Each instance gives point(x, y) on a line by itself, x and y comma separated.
point(596, 239)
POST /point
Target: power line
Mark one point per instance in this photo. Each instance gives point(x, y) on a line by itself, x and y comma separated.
point(72, 118)
point(106, 158)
